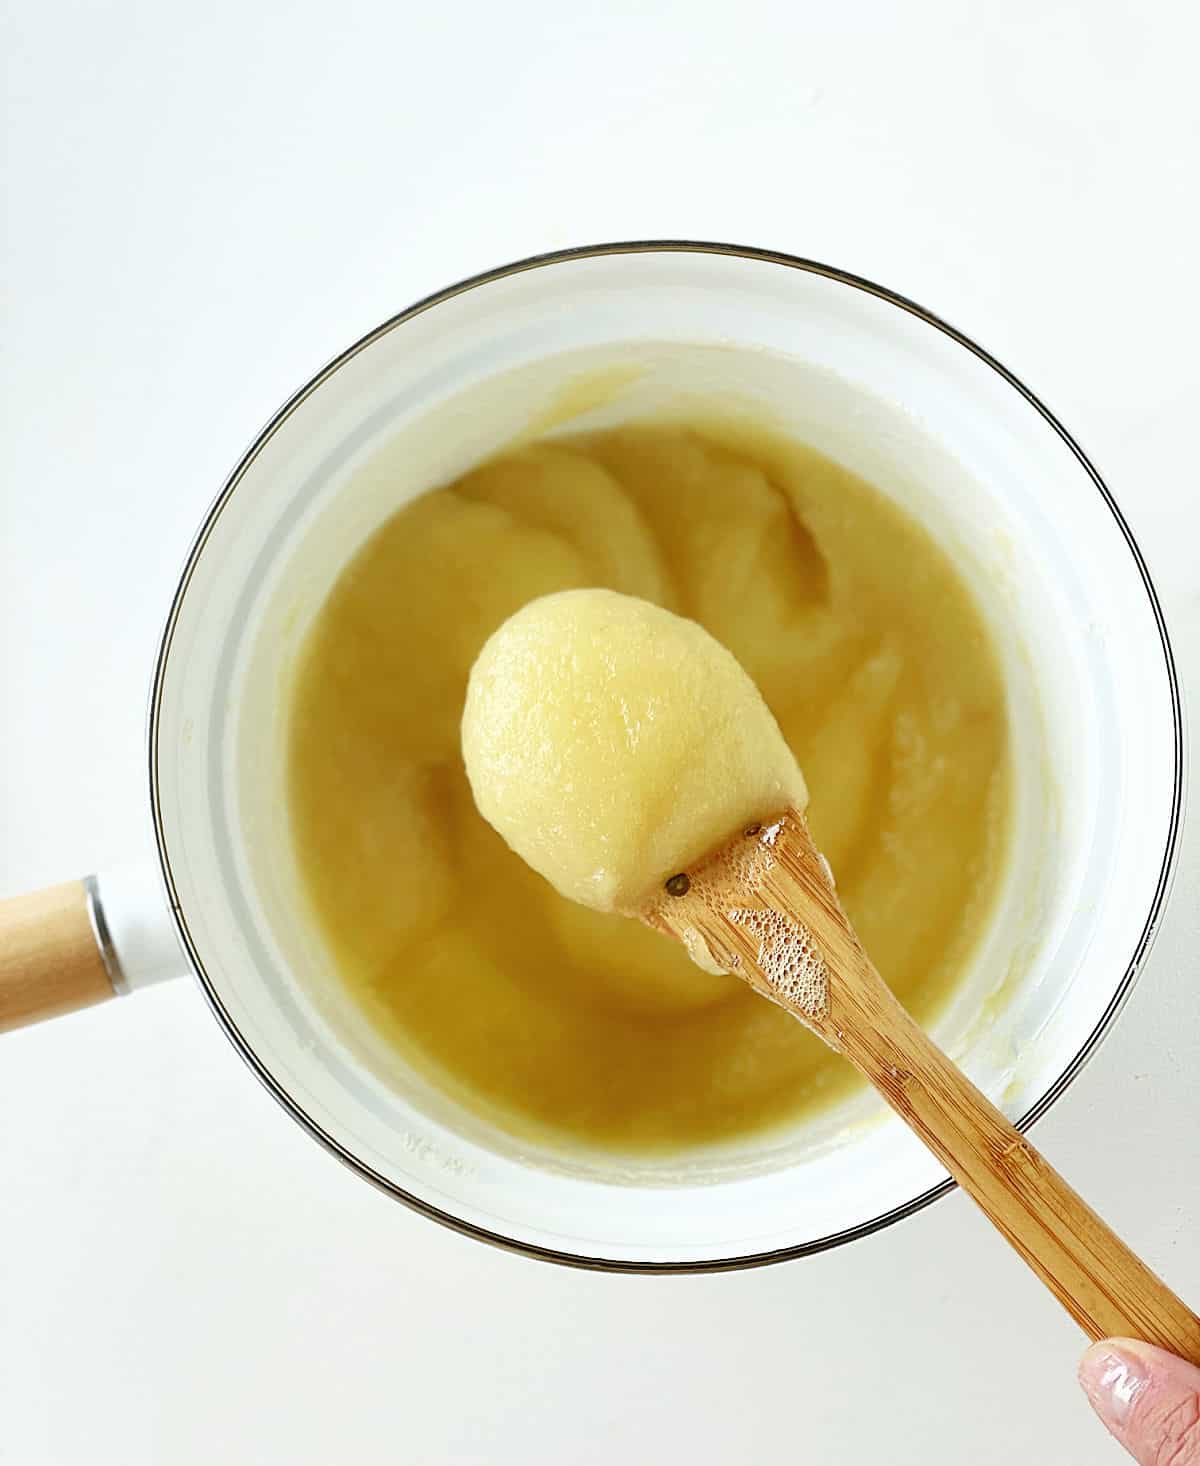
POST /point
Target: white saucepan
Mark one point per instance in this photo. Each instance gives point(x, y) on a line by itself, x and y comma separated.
point(874, 381)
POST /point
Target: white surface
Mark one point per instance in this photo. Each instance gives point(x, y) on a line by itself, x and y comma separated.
point(202, 204)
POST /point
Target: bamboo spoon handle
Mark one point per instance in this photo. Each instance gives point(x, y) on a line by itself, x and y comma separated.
point(1105, 1287)
point(766, 908)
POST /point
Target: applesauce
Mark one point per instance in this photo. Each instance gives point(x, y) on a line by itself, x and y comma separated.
point(569, 1025)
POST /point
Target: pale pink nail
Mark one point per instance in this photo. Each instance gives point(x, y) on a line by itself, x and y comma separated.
point(1113, 1380)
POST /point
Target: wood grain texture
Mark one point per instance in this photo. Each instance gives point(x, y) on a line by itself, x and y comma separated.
point(1105, 1287)
point(49, 961)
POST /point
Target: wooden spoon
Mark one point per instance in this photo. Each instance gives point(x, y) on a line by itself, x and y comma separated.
point(765, 908)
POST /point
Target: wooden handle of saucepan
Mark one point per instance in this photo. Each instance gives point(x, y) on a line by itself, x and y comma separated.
point(50, 958)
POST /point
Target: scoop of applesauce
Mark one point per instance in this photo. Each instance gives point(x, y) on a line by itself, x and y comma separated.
point(612, 743)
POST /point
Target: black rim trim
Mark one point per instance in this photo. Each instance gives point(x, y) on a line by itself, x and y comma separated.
point(663, 246)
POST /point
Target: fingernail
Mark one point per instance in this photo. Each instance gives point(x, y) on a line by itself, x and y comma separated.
point(1113, 1379)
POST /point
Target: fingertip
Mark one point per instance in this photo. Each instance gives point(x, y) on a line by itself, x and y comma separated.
point(1115, 1373)
point(1148, 1398)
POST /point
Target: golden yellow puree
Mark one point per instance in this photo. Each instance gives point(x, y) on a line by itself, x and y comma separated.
point(613, 744)
point(560, 1022)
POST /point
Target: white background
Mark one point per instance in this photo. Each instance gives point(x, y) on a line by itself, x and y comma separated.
point(202, 204)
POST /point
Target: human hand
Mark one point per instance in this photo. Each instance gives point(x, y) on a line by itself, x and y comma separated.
point(1148, 1399)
